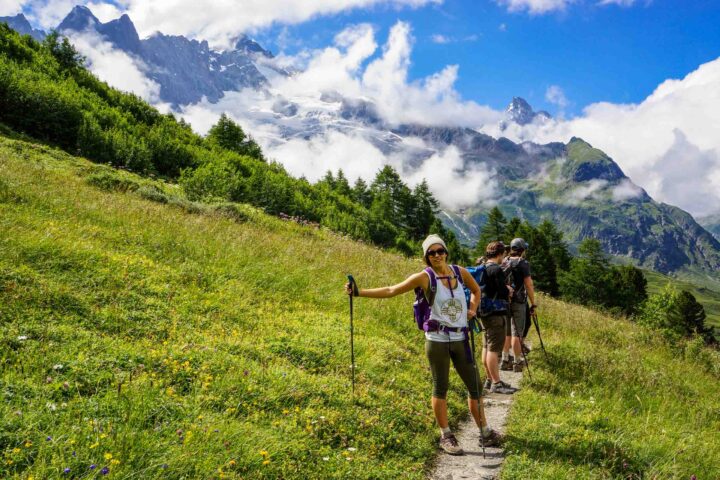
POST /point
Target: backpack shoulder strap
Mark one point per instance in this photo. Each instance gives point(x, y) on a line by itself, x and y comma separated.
point(456, 269)
point(430, 294)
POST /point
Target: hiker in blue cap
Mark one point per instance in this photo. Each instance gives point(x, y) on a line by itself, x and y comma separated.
point(445, 323)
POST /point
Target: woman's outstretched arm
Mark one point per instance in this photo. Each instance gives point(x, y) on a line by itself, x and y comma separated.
point(412, 282)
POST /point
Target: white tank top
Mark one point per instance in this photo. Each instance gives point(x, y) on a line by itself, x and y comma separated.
point(450, 310)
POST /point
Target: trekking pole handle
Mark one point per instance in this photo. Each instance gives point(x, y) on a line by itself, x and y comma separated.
point(353, 285)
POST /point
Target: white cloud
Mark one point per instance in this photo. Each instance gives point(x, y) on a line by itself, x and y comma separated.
point(622, 3)
point(441, 39)
point(453, 183)
point(445, 39)
point(221, 20)
point(538, 7)
point(49, 13)
point(591, 189)
point(555, 95)
point(626, 190)
point(535, 6)
point(680, 120)
point(689, 176)
point(115, 66)
point(10, 7)
point(105, 12)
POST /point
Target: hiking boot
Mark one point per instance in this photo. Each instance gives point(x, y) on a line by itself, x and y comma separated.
point(502, 387)
point(487, 384)
point(518, 366)
point(492, 439)
point(525, 348)
point(506, 365)
point(450, 444)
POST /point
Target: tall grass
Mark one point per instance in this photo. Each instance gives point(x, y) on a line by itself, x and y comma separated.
point(613, 400)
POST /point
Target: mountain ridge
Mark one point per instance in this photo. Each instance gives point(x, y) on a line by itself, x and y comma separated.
point(582, 177)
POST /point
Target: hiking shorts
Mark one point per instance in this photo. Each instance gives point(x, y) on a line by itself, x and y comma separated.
point(519, 312)
point(494, 326)
point(508, 322)
point(439, 355)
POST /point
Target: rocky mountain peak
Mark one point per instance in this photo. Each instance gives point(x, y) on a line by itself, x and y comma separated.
point(20, 24)
point(519, 111)
point(251, 47)
point(122, 33)
point(80, 18)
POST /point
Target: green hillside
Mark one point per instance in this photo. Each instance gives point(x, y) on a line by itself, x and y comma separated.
point(707, 295)
point(161, 338)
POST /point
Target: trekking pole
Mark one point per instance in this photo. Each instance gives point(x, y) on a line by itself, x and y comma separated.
point(353, 286)
point(522, 351)
point(534, 317)
point(473, 326)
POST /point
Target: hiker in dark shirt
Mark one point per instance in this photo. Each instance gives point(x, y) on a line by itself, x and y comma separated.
point(497, 293)
point(519, 269)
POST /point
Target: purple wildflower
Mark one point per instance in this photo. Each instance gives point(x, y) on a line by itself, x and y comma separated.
point(66, 470)
point(164, 465)
point(105, 470)
point(74, 454)
point(693, 477)
point(49, 438)
point(93, 466)
point(246, 373)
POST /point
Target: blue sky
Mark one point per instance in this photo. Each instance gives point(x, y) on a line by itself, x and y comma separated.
point(592, 52)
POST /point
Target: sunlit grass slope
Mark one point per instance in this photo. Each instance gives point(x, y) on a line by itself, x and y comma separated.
point(157, 338)
point(614, 401)
point(160, 343)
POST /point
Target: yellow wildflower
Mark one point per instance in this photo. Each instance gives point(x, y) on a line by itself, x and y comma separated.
point(108, 456)
point(266, 462)
point(114, 461)
point(94, 445)
point(232, 463)
point(28, 444)
point(264, 453)
point(16, 450)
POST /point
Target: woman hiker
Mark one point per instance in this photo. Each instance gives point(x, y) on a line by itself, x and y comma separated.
point(445, 336)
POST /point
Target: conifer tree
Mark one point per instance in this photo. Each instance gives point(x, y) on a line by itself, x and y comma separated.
point(494, 229)
point(341, 184)
point(425, 207)
point(361, 193)
point(391, 197)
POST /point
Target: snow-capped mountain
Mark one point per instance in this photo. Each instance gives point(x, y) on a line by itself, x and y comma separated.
point(186, 70)
point(579, 187)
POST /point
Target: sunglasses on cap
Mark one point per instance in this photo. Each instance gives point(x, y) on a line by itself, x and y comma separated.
point(439, 251)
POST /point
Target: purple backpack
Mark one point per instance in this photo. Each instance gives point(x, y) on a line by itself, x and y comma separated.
point(423, 303)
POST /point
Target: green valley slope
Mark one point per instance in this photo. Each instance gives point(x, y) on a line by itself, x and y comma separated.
point(160, 338)
point(586, 194)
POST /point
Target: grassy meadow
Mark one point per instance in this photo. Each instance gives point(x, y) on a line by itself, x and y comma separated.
point(145, 336)
point(706, 294)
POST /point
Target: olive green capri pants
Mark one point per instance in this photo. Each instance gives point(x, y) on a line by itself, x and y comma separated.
point(439, 355)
